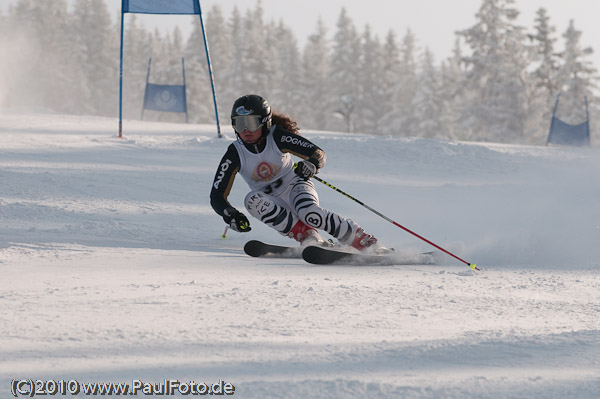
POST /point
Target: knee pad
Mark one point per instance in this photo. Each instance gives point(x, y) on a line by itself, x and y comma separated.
point(264, 208)
point(259, 204)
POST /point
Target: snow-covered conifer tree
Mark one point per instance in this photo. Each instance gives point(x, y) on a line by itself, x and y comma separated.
point(257, 66)
point(98, 54)
point(452, 92)
point(543, 80)
point(168, 69)
point(287, 75)
point(428, 103)
point(546, 59)
point(236, 79)
point(496, 73)
point(344, 74)
point(313, 91)
point(54, 73)
point(577, 77)
point(199, 94)
point(369, 96)
point(136, 52)
point(160, 57)
point(408, 84)
point(390, 85)
point(220, 45)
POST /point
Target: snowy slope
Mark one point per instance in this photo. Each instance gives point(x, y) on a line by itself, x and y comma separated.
point(113, 269)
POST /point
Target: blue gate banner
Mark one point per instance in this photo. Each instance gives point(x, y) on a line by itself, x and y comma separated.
point(161, 6)
point(565, 134)
point(166, 98)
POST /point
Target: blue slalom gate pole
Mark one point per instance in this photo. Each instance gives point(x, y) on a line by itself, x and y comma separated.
point(146, 89)
point(210, 72)
point(184, 90)
point(121, 80)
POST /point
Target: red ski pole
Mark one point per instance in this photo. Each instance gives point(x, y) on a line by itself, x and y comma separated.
point(471, 265)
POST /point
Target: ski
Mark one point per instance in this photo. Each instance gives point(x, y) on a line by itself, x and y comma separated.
point(260, 249)
point(326, 256)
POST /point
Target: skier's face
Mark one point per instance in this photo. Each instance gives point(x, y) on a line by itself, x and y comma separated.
point(249, 137)
point(249, 127)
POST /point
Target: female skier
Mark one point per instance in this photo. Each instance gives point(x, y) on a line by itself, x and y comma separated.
point(281, 196)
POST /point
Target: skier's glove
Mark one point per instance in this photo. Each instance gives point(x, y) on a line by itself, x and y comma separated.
point(236, 220)
point(305, 169)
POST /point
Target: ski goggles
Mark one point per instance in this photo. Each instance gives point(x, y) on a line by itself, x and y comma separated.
point(247, 122)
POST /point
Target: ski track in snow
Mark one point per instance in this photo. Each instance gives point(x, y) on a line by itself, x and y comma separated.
point(113, 268)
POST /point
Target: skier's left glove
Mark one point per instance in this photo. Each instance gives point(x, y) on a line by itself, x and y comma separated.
point(305, 169)
point(236, 220)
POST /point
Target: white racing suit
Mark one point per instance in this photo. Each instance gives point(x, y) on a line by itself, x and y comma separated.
point(279, 198)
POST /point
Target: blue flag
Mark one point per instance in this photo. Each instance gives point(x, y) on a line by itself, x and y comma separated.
point(166, 98)
point(161, 6)
point(565, 134)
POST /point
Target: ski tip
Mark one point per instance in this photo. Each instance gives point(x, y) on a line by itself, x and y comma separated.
point(253, 248)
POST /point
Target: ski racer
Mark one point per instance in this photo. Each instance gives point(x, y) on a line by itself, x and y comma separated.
point(282, 196)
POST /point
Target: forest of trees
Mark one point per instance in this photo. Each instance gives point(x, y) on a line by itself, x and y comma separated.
point(500, 83)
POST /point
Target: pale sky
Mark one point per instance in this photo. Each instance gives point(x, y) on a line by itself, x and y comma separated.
point(433, 21)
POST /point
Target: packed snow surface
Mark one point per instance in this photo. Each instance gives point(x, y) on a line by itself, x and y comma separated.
point(113, 268)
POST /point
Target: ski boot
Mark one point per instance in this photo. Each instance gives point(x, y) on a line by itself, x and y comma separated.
point(362, 240)
point(305, 234)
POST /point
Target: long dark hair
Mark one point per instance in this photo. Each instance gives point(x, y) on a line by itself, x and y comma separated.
point(286, 122)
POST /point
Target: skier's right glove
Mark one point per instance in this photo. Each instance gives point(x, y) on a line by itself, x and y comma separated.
point(305, 169)
point(236, 220)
